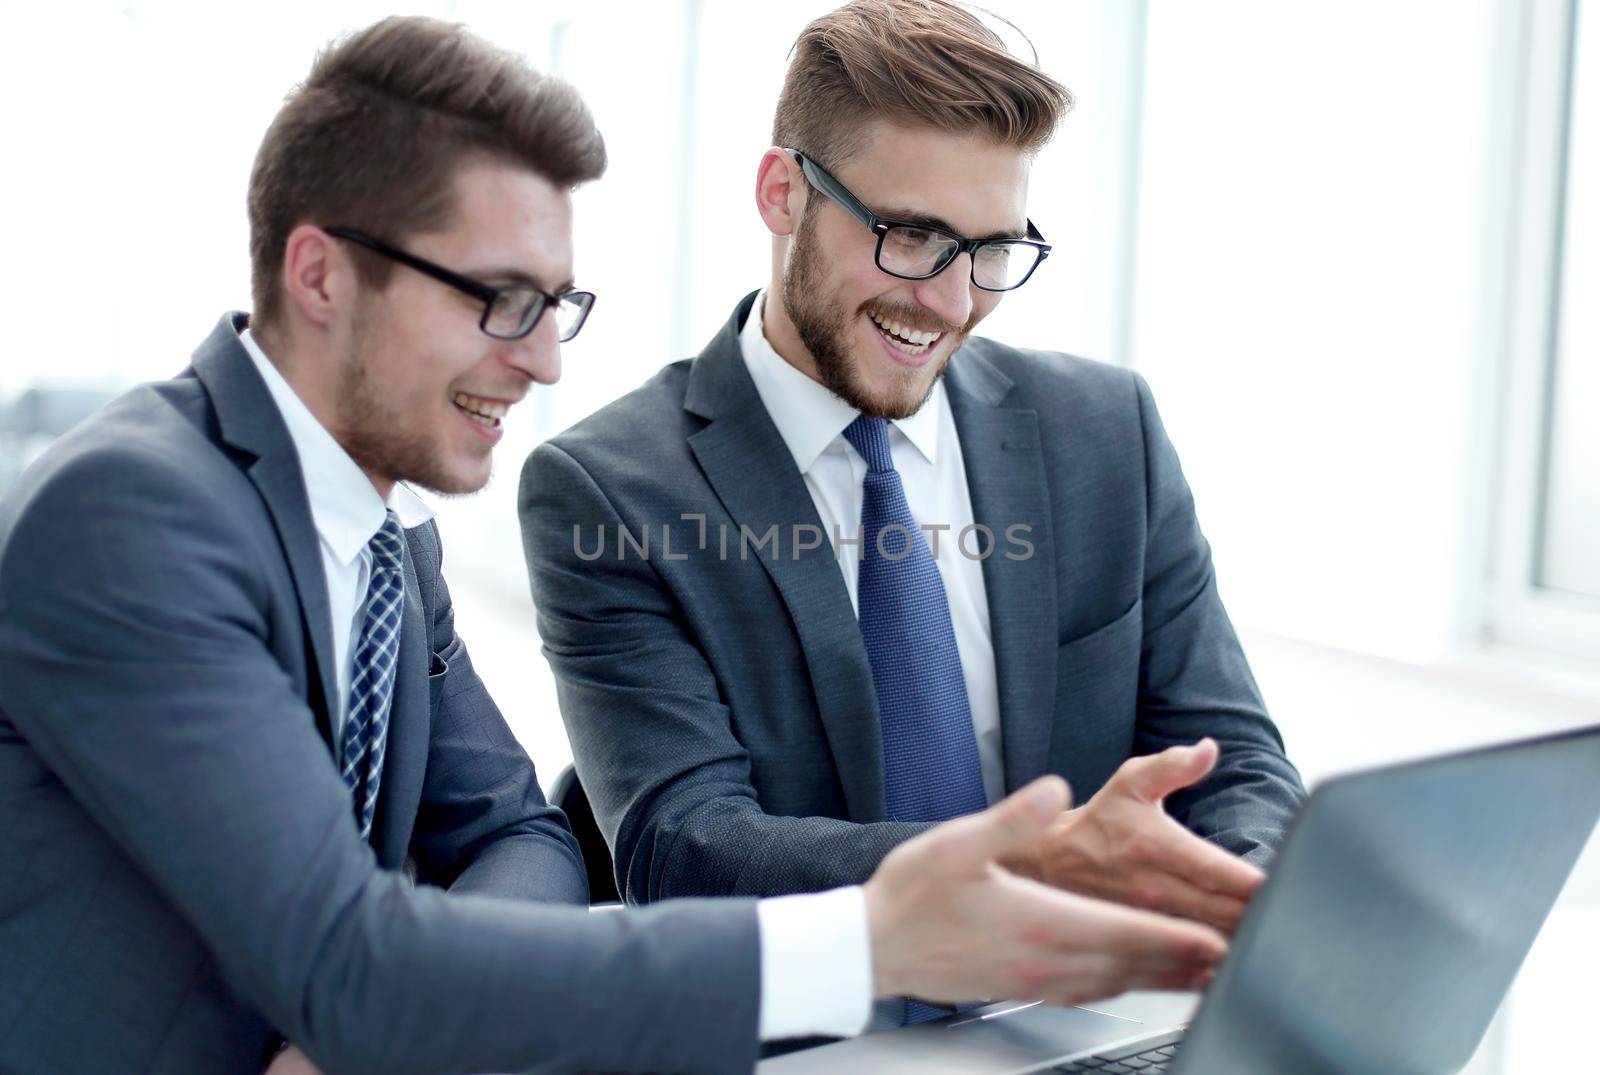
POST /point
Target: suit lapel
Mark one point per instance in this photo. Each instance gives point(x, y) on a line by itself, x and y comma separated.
point(1007, 482)
point(746, 463)
point(410, 720)
point(249, 421)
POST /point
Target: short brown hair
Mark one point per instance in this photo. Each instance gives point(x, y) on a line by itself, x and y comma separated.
point(922, 63)
point(374, 137)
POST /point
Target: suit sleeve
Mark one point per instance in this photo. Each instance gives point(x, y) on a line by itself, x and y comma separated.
point(134, 619)
point(483, 826)
point(652, 737)
point(1194, 680)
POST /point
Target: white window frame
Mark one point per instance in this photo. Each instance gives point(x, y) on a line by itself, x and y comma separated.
point(1519, 613)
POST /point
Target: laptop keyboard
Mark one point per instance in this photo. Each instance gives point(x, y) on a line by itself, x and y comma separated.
point(1149, 1057)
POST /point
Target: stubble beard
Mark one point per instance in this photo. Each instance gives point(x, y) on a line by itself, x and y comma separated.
point(824, 328)
point(386, 442)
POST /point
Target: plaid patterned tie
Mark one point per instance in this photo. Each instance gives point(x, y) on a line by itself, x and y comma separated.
point(366, 724)
point(930, 750)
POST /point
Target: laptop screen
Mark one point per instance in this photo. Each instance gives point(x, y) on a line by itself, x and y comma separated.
point(1399, 912)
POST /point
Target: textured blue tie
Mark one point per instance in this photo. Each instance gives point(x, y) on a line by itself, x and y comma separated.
point(366, 725)
point(930, 751)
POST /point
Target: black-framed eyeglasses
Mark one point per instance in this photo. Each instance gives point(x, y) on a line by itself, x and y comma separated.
point(510, 312)
point(914, 251)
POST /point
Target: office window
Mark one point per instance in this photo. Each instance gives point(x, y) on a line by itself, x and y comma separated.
point(1569, 554)
point(1307, 280)
point(1545, 569)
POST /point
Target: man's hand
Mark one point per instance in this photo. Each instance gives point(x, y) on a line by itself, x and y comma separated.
point(1122, 846)
point(291, 1062)
point(949, 924)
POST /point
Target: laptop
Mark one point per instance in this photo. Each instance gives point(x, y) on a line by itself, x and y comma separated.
point(1394, 920)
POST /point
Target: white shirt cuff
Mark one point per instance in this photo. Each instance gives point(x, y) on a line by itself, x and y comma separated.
point(816, 964)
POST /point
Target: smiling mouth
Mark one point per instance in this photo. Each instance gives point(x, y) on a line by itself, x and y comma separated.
point(903, 337)
point(486, 412)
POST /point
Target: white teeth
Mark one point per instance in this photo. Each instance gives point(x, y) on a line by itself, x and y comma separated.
point(481, 408)
point(911, 337)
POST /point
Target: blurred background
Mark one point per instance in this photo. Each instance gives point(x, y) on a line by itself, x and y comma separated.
point(1354, 247)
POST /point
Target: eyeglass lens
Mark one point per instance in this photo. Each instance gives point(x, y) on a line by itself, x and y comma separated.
point(919, 252)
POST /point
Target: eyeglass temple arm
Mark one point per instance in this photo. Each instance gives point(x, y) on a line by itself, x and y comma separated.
point(466, 284)
point(831, 187)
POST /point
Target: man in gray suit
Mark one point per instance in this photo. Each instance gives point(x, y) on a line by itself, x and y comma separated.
point(250, 786)
point(895, 570)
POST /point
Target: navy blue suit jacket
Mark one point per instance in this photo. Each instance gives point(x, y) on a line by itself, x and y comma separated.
point(720, 705)
point(181, 876)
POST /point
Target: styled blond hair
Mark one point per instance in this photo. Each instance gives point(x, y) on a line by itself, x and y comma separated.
point(926, 63)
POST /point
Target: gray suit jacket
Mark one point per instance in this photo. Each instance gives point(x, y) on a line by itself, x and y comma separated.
point(721, 707)
point(181, 876)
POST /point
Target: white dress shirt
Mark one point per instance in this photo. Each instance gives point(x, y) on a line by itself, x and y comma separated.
point(927, 454)
point(800, 994)
point(346, 511)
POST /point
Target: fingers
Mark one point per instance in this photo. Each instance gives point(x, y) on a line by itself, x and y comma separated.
point(292, 1062)
point(1177, 896)
point(1123, 846)
point(1062, 922)
point(1079, 948)
point(1154, 777)
point(1007, 826)
point(931, 904)
point(1158, 938)
point(1179, 853)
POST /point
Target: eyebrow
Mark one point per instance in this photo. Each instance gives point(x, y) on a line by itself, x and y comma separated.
point(925, 220)
point(517, 276)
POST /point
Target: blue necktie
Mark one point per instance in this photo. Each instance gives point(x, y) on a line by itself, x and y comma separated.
point(366, 724)
point(930, 751)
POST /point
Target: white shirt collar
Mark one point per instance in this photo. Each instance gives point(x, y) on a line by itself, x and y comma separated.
point(809, 416)
point(345, 508)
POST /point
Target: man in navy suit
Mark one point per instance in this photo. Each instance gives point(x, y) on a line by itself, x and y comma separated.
point(880, 571)
point(251, 790)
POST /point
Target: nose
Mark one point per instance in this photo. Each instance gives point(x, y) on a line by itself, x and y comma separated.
point(537, 355)
point(949, 294)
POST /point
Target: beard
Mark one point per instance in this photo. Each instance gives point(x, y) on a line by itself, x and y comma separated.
point(824, 328)
point(388, 440)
